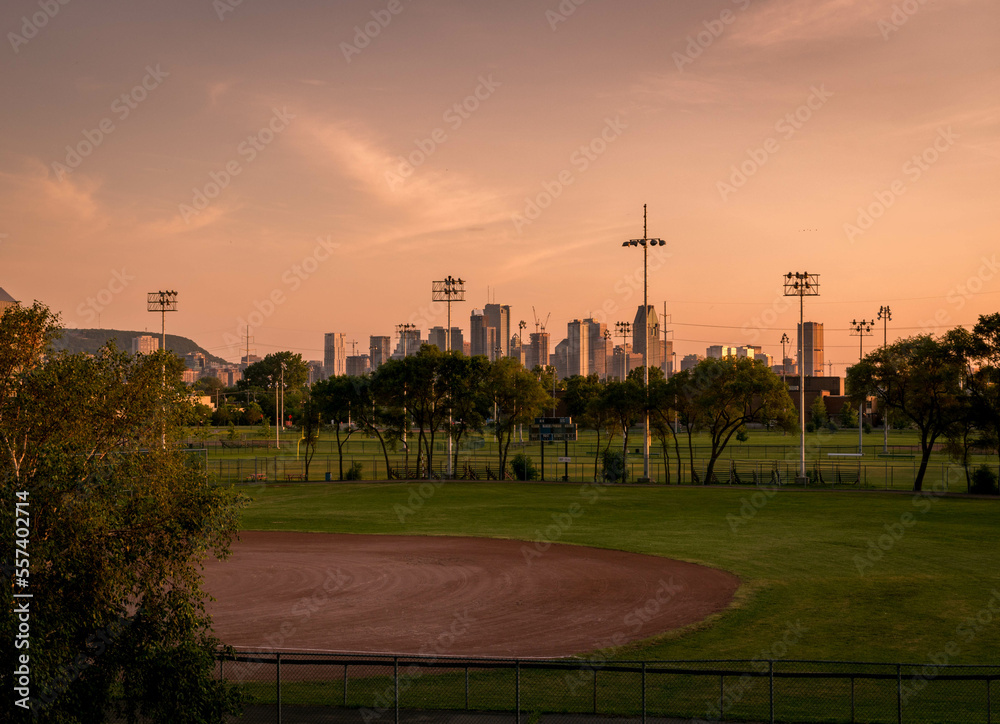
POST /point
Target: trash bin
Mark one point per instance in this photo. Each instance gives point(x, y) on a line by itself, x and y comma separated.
point(329, 477)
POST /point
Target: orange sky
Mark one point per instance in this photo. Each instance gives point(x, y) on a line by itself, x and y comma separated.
point(356, 151)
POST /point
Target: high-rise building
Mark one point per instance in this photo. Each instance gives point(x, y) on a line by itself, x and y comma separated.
point(645, 319)
point(6, 301)
point(438, 336)
point(358, 364)
point(457, 339)
point(408, 343)
point(145, 344)
point(194, 361)
point(498, 317)
point(721, 351)
point(334, 354)
point(667, 364)
point(560, 359)
point(812, 348)
point(578, 358)
point(315, 371)
point(477, 333)
point(379, 350)
point(690, 361)
point(538, 351)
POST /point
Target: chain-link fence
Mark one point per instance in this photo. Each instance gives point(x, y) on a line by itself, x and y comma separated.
point(303, 687)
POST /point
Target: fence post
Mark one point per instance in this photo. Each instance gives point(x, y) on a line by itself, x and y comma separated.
point(595, 691)
point(852, 700)
point(278, 678)
point(345, 684)
point(395, 686)
point(466, 687)
point(899, 694)
point(770, 674)
point(517, 691)
point(989, 708)
point(644, 692)
point(722, 696)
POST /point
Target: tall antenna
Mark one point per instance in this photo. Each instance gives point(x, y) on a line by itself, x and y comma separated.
point(162, 302)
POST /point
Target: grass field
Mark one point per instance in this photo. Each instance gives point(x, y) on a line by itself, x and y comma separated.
point(802, 556)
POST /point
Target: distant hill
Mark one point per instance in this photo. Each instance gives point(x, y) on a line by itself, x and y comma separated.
point(91, 340)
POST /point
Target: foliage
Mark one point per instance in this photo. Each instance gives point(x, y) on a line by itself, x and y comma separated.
point(614, 470)
point(332, 401)
point(517, 396)
point(818, 413)
point(984, 481)
point(742, 435)
point(523, 467)
point(919, 377)
point(119, 526)
point(353, 472)
point(848, 415)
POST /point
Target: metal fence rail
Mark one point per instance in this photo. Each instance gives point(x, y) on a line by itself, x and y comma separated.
point(306, 687)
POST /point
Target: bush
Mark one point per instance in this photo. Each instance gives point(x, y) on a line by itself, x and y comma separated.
point(810, 427)
point(831, 426)
point(984, 481)
point(614, 467)
point(523, 467)
point(353, 472)
point(742, 435)
point(867, 427)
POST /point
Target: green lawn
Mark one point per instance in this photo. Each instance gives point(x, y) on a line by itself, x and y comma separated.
point(797, 554)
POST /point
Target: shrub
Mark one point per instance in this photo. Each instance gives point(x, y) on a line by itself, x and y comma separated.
point(742, 435)
point(867, 427)
point(523, 467)
point(831, 426)
point(614, 467)
point(353, 472)
point(810, 427)
point(984, 481)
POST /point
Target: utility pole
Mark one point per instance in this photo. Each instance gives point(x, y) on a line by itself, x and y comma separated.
point(885, 314)
point(802, 285)
point(162, 302)
point(403, 329)
point(861, 329)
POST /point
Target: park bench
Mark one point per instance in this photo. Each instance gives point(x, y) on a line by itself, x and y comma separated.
point(255, 478)
point(295, 476)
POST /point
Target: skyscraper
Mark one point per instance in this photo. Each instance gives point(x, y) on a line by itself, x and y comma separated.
point(578, 359)
point(597, 349)
point(334, 354)
point(812, 348)
point(379, 350)
point(477, 333)
point(645, 319)
point(538, 351)
point(408, 343)
point(146, 344)
point(438, 336)
point(498, 317)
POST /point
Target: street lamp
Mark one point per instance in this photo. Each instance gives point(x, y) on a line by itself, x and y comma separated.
point(801, 285)
point(403, 329)
point(162, 302)
point(885, 314)
point(861, 330)
point(623, 330)
point(448, 290)
point(645, 242)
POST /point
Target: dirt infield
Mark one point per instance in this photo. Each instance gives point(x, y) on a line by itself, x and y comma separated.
point(450, 595)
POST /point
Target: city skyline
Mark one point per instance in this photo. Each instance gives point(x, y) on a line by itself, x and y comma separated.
point(318, 171)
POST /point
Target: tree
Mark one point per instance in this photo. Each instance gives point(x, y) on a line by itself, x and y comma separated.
point(465, 378)
point(848, 415)
point(118, 529)
point(730, 393)
point(585, 404)
point(265, 375)
point(333, 400)
point(817, 412)
point(920, 378)
point(518, 397)
point(625, 400)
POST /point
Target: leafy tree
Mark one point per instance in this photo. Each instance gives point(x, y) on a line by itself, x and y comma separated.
point(817, 412)
point(208, 386)
point(920, 378)
point(119, 526)
point(311, 424)
point(375, 410)
point(848, 415)
point(333, 400)
point(625, 401)
point(730, 393)
point(465, 378)
point(584, 400)
point(252, 414)
point(518, 397)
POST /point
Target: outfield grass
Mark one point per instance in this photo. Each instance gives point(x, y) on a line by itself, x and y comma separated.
point(796, 553)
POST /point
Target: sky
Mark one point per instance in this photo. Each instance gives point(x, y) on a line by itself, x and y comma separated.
point(305, 167)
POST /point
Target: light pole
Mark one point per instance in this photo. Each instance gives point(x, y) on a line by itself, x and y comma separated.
point(645, 242)
point(403, 329)
point(801, 285)
point(784, 369)
point(623, 330)
point(861, 329)
point(162, 302)
point(448, 290)
point(885, 314)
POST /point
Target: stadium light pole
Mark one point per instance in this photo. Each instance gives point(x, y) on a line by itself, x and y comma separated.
point(784, 341)
point(861, 330)
point(885, 314)
point(448, 290)
point(403, 329)
point(801, 285)
point(623, 330)
point(162, 302)
point(645, 242)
